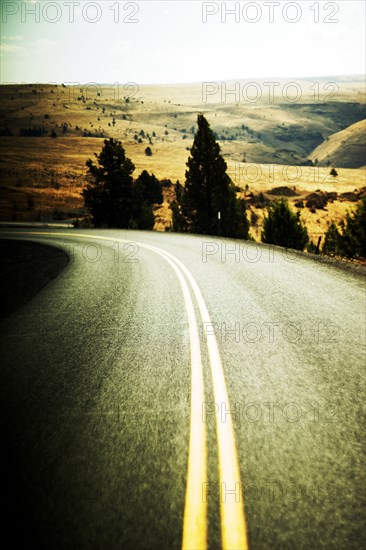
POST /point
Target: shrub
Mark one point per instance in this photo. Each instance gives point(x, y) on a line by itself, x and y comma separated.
point(350, 239)
point(259, 201)
point(253, 218)
point(332, 240)
point(317, 200)
point(284, 228)
point(5, 131)
point(283, 191)
point(32, 131)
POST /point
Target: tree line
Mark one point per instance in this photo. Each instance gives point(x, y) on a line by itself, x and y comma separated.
point(113, 197)
point(207, 204)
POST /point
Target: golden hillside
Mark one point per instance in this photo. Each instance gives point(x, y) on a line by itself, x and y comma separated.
point(346, 148)
point(49, 131)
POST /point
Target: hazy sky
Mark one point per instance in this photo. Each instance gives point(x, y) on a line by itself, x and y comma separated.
point(179, 41)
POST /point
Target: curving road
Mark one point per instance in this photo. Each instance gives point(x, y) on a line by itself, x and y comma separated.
point(170, 390)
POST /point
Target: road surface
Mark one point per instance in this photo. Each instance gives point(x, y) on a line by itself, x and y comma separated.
point(169, 390)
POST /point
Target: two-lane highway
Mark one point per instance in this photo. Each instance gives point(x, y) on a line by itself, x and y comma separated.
point(170, 390)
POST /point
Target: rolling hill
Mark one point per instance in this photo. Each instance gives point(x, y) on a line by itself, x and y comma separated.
point(346, 149)
point(48, 131)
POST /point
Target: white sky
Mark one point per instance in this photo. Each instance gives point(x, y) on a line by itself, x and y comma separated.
point(170, 43)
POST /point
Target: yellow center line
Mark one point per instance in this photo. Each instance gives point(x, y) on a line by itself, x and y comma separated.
point(195, 511)
point(233, 522)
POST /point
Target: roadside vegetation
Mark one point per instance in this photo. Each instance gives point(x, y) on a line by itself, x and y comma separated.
point(284, 228)
point(349, 239)
point(208, 202)
point(113, 197)
point(260, 157)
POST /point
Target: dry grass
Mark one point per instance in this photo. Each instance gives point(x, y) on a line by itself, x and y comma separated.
point(42, 177)
point(345, 147)
point(316, 223)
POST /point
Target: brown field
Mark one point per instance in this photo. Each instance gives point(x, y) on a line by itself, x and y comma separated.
point(264, 145)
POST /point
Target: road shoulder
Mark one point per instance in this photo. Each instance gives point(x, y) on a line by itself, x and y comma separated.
point(26, 268)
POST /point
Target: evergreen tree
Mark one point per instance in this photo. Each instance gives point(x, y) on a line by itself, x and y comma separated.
point(147, 191)
point(207, 204)
point(354, 232)
point(142, 216)
point(151, 188)
point(350, 240)
point(108, 194)
point(179, 223)
point(284, 228)
point(332, 240)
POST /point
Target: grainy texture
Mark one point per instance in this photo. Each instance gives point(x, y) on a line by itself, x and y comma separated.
point(94, 394)
point(26, 268)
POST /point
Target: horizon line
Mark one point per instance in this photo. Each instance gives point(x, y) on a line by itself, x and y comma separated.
point(191, 83)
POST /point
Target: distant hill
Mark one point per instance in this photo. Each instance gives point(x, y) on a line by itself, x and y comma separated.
point(273, 130)
point(346, 149)
point(48, 131)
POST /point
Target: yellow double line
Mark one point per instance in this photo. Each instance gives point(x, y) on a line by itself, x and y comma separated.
point(233, 523)
point(232, 517)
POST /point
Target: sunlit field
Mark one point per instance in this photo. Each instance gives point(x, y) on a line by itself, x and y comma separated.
point(266, 144)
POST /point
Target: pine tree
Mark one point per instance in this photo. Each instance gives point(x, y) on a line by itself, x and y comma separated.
point(108, 194)
point(207, 204)
point(179, 222)
point(284, 228)
point(147, 191)
point(332, 240)
point(350, 240)
point(354, 232)
point(151, 188)
point(142, 216)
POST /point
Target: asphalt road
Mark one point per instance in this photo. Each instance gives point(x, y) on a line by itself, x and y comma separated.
point(107, 446)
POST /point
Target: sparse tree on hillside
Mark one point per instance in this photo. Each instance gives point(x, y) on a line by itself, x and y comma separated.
point(284, 228)
point(207, 204)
